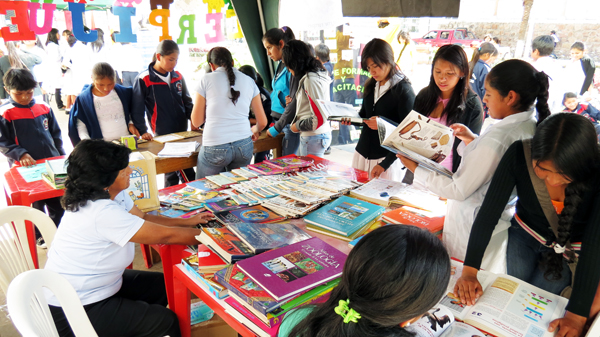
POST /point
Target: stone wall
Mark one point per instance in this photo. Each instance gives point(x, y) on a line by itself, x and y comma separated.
point(568, 33)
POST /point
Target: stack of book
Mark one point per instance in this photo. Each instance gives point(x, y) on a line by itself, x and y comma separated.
point(280, 165)
point(405, 215)
point(179, 149)
point(203, 266)
point(345, 218)
point(56, 173)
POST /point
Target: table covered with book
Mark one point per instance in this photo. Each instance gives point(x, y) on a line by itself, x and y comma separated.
point(281, 234)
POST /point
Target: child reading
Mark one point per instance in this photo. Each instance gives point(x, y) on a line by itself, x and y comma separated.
point(101, 111)
point(162, 93)
point(392, 277)
point(572, 104)
point(29, 131)
point(511, 89)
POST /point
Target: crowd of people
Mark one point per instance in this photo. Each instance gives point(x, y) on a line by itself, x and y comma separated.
point(540, 161)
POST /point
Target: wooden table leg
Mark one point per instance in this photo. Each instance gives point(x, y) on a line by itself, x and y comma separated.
point(181, 305)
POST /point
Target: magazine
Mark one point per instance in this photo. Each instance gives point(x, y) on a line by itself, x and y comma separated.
point(508, 307)
point(439, 322)
point(418, 138)
point(337, 111)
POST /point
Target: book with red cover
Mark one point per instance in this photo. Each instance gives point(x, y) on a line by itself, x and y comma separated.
point(208, 259)
point(289, 163)
point(417, 217)
point(241, 310)
point(290, 270)
point(265, 169)
point(224, 243)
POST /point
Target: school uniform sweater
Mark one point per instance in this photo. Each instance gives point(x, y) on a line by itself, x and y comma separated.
point(84, 110)
point(512, 172)
point(29, 129)
point(280, 83)
point(168, 106)
point(394, 104)
point(480, 71)
point(587, 111)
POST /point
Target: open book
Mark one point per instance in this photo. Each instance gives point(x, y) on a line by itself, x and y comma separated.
point(508, 307)
point(337, 111)
point(418, 138)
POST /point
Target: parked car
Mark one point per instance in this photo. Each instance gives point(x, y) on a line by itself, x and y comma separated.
point(440, 37)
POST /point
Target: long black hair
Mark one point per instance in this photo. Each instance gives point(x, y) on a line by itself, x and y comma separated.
point(484, 48)
point(455, 108)
point(522, 78)
point(570, 142)
point(99, 43)
point(394, 274)
point(92, 167)
point(221, 57)
point(165, 48)
point(297, 57)
point(274, 35)
point(51, 37)
point(381, 53)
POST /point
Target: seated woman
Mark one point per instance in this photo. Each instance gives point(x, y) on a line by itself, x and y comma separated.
point(102, 111)
point(555, 228)
point(393, 276)
point(95, 243)
point(223, 98)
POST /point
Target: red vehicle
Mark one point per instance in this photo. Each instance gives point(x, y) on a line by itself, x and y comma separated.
point(440, 37)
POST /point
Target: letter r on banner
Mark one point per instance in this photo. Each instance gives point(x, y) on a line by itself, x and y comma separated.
point(125, 32)
point(190, 27)
point(20, 19)
point(164, 22)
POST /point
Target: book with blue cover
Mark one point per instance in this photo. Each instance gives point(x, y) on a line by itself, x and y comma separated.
point(253, 214)
point(261, 237)
point(344, 215)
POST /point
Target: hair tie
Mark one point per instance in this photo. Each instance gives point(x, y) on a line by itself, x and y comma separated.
point(231, 86)
point(349, 314)
point(283, 28)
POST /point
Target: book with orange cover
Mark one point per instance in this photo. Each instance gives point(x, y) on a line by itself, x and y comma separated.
point(417, 217)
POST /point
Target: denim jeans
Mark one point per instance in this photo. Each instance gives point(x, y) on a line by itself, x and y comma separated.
point(523, 258)
point(291, 141)
point(215, 159)
point(315, 145)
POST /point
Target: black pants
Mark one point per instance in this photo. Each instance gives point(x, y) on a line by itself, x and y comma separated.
point(138, 309)
point(175, 178)
point(55, 211)
point(58, 99)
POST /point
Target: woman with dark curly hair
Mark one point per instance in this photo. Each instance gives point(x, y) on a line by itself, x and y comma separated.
point(95, 243)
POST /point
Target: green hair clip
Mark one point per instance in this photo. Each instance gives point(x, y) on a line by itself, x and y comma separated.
point(349, 314)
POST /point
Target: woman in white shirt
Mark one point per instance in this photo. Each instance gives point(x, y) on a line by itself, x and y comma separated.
point(223, 98)
point(511, 89)
point(102, 110)
point(95, 243)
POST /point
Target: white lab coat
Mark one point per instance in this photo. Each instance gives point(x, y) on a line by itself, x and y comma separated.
point(466, 189)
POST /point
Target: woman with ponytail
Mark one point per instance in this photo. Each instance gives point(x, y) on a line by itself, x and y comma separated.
point(18, 58)
point(223, 98)
point(480, 65)
point(555, 227)
point(512, 87)
point(392, 277)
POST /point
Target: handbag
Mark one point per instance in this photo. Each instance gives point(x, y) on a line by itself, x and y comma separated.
point(550, 212)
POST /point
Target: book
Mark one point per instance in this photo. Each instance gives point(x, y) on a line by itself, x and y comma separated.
point(142, 183)
point(301, 195)
point(220, 180)
point(179, 149)
point(419, 138)
point(242, 314)
point(439, 322)
point(263, 237)
point(213, 287)
point(203, 184)
point(373, 227)
point(176, 136)
point(289, 207)
point(207, 261)
point(290, 270)
point(337, 111)
point(244, 173)
point(252, 214)
point(56, 173)
point(352, 236)
point(345, 215)
point(416, 217)
point(508, 307)
point(224, 243)
point(265, 169)
point(233, 176)
point(288, 164)
point(222, 205)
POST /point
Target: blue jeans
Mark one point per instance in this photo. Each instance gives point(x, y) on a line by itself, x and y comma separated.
point(315, 145)
point(215, 159)
point(523, 257)
point(291, 141)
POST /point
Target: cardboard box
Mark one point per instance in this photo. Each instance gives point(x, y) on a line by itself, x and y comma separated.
point(215, 327)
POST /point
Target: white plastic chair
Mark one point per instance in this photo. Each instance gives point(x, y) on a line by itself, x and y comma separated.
point(15, 255)
point(29, 310)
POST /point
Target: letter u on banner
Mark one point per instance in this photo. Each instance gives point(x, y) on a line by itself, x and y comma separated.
point(164, 23)
point(77, 10)
point(48, 16)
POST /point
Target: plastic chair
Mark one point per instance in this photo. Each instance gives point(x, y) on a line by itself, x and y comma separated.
point(15, 255)
point(29, 310)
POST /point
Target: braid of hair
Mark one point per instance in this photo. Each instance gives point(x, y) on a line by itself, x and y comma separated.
point(231, 76)
point(573, 196)
point(542, 98)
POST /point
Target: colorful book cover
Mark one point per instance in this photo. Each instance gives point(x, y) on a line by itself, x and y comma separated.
point(222, 205)
point(417, 217)
point(344, 215)
point(203, 184)
point(233, 176)
point(373, 227)
point(352, 236)
point(206, 258)
point(266, 169)
point(288, 164)
point(239, 309)
point(220, 180)
point(245, 173)
point(215, 288)
point(263, 237)
point(228, 246)
point(290, 270)
point(253, 214)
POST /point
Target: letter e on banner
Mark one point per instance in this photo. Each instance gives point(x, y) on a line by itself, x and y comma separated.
point(164, 22)
point(216, 28)
point(20, 19)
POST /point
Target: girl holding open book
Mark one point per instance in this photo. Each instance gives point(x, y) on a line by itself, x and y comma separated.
point(555, 228)
point(392, 277)
point(388, 93)
point(511, 89)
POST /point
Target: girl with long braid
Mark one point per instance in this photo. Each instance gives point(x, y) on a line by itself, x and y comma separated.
point(223, 98)
point(555, 227)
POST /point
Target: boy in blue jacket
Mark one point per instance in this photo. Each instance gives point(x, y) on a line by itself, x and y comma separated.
point(29, 132)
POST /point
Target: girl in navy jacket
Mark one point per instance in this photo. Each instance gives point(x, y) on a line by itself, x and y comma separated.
point(161, 92)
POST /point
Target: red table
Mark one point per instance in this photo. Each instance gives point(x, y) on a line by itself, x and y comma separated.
point(183, 284)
